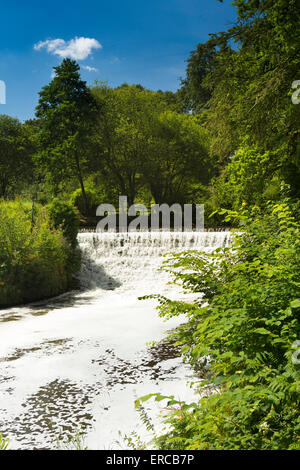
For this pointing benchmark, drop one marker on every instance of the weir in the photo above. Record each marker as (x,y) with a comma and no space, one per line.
(135,257)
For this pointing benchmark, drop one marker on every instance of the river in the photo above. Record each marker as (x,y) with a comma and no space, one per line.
(75,364)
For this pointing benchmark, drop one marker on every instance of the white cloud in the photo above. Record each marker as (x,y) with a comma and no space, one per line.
(76,48)
(90,69)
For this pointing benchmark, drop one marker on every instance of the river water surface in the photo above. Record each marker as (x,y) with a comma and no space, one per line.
(77,363)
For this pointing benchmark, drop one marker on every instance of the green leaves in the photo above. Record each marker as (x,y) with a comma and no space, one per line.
(36,261)
(16,150)
(158,397)
(4,443)
(66,115)
(239,82)
(246,330)
(263,331)
(295,304)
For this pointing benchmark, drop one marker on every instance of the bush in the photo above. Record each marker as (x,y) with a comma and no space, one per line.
(250,176)
(65,215)
(35,262)
(92,199)
(247,328)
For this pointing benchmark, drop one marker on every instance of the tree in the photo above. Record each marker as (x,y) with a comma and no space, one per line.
(193,93)
(146,146)
(15,154)
(178,156)
(123,131)
(248,72)
(66,113)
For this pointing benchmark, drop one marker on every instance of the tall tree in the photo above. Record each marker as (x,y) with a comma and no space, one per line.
(122,137)
(15,154)
(253,68)
(177,158)
(202,61)
(66,113)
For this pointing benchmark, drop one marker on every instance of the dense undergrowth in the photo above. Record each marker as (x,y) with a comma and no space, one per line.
(246,323)
(38,255)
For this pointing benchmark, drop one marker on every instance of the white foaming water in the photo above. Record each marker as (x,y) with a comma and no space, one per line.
(78,362)
(134,258)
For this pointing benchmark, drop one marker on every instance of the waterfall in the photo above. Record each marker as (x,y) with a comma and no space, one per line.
(125,260)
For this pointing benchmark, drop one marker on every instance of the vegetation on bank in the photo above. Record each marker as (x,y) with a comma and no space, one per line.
(244,326)
(38,256)
(239,83)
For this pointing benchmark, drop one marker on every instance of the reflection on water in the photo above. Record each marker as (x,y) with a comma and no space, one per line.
(64,406)
(58,406)
(18,353)
(10,317)
(156,363)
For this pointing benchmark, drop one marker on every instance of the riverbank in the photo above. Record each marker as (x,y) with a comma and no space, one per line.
(38,258)
(248,323)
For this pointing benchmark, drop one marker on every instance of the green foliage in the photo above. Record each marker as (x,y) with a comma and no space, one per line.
(66,114)
(134,440)
(143,144)
(4,443)
(229,134)
(123,137)
(65,216)
(243,78)
(74,441)
(15,154)
(92,197)
(249,176)
(202,61)
(178,157)
(245,322)
(36,261)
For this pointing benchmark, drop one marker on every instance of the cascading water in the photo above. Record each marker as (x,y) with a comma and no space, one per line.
(127,259)
(76,363)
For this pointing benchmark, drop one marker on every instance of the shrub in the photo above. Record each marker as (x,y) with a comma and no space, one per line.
(35,262)
(246,323)
(92,199)
(65,215)
(250,176)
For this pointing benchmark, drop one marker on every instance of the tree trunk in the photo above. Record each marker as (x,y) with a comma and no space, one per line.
(84,197)
(3,190)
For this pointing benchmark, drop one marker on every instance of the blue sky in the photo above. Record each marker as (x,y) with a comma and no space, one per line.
(131,41)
